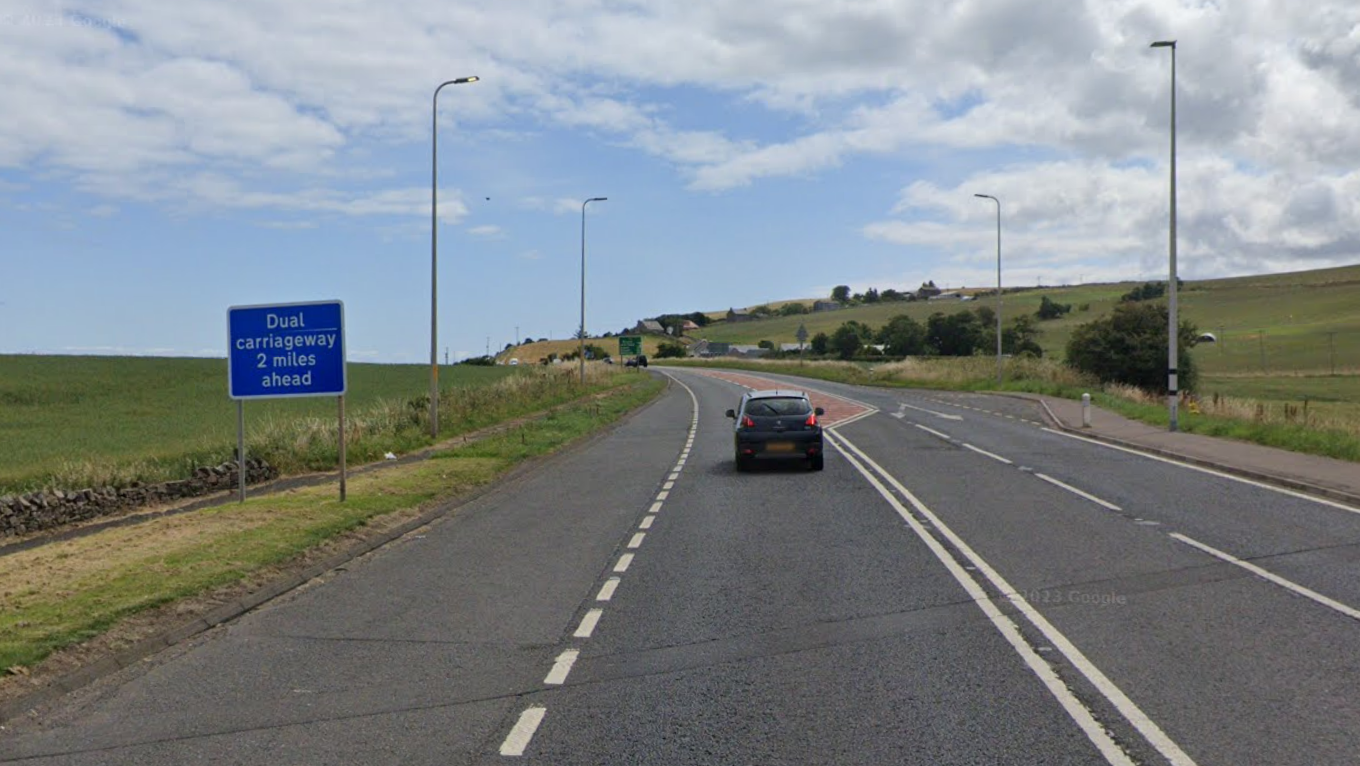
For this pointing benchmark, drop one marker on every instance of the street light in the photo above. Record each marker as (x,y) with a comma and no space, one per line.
(582,334)
(1171,352)
(998,282)
(434,250)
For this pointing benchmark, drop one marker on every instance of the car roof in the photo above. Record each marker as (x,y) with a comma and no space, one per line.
(775,393)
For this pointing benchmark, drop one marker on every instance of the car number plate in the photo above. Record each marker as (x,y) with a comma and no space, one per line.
(779,446)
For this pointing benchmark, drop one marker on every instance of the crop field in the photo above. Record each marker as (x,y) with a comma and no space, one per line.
(64,419)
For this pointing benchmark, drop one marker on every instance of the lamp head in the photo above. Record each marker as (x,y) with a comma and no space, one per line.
(462,80)
(1164,44)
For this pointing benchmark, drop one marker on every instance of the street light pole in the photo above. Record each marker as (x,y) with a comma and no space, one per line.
(434,250)
(1172,354)
(582,333)
(998,282)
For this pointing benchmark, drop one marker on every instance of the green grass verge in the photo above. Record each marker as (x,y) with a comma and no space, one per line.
(170,559)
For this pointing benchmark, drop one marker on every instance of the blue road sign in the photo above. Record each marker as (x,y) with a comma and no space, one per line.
(294,349)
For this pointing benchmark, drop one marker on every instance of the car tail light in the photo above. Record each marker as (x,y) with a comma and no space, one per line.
(747,422)
(812,419)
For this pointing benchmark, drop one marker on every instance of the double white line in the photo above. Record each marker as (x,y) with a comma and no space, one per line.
(1079,713)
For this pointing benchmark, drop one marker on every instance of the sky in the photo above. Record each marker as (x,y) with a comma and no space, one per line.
(160,163)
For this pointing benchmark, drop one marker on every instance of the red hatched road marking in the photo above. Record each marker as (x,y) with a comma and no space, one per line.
(837,409)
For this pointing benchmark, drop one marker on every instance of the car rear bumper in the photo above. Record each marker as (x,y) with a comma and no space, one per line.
(794,446)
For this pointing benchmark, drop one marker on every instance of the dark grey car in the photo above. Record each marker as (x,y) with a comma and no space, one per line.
(776,425)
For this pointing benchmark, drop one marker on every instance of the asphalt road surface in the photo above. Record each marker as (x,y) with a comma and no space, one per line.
(958,586)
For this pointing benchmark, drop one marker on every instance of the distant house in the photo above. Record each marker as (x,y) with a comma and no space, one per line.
(791,348)
(946,297)
(706,348)
(748,352)
(688,326)
(650,325)
(928,290)
(825,306)
(739,315)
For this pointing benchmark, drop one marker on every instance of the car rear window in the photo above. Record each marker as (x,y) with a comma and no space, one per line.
(778,406)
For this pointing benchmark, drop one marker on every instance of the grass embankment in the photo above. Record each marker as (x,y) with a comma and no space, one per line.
(1326,428)
(67,592)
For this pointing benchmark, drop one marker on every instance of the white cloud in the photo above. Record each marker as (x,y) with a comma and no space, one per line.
(210,105)
(486,232)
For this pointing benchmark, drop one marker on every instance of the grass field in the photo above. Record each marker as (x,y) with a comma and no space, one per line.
(68,420)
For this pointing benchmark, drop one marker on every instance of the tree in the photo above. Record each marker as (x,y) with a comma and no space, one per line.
(793,309)
(765,344)
(1022,337)
(841,294)
(959,334)
(846,340)
(871,295)
(903,336)
(1129,346)
(819,343)
(892,295)
(670,350)
(1051,309)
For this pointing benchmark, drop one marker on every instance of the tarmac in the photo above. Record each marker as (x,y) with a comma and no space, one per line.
(1337,480)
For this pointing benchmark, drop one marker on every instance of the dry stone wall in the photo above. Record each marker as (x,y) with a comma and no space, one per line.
(38,511)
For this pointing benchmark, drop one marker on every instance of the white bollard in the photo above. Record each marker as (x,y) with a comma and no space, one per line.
(1085,410)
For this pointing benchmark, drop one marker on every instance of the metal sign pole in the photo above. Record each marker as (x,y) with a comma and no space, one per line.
(241,448)
(342,447)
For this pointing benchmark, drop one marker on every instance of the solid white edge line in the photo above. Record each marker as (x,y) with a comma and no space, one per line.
(647,522)
(1077,492)
(1210,471)
(607,590)
(561,668)
(933,432)
(1131,712)
(1290,585)
(588,623)
(984,452)
(518,739)
(636,542)
(625,561)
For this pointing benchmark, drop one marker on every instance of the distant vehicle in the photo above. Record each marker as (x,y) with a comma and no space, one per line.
(776,425)
(638,361)
(514,362)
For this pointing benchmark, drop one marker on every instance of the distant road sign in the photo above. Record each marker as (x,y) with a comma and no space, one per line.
(292,349)
(630,345)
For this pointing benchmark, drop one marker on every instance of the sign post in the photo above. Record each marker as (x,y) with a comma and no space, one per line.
(285,350)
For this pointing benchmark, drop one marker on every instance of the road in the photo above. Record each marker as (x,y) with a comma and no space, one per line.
(960,585)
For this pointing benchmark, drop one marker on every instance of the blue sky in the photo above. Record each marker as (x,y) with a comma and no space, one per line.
(160,164)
